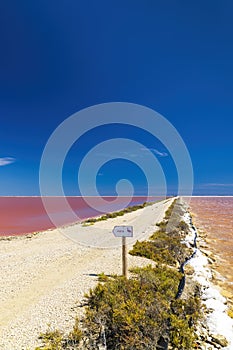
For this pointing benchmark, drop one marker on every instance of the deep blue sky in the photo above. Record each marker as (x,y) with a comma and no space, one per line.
(58,57)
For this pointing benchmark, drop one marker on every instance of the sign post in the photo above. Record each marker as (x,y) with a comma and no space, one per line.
(124,258)
(123,231)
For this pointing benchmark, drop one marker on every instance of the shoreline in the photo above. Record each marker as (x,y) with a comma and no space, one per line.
(215,261)
(76,268)
(219,324)
(52,226)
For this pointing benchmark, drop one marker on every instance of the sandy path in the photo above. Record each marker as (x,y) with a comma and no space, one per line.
(43,278)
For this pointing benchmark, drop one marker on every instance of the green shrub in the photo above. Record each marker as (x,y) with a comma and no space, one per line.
(128,314)
(165,246)
(57,340)
(185,315)
(76,335)
(52,340)
(102,277)
(162,248)
(137,313)
(183,226)
(115,214)
(162,224)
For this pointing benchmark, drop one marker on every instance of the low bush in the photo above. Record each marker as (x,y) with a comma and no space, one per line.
(140,313)
(137,313)
(162,248)
(165,245)
(116,214)
(57,340)
(52,340)
(102,277)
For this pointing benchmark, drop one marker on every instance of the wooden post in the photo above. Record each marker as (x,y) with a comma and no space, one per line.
(124,257)
(123,232)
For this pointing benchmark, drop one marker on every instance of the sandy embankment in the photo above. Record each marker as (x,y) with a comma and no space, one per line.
(43,278)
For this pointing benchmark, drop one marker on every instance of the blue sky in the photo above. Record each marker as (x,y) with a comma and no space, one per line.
(58,57)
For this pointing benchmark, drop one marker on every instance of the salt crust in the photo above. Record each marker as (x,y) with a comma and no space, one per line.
(217,319)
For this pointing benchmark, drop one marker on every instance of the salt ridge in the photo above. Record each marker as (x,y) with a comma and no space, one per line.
(218,322)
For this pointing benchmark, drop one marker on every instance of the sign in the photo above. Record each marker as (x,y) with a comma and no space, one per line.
(123,231)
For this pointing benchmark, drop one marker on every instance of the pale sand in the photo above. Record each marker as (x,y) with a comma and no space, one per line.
(43,278)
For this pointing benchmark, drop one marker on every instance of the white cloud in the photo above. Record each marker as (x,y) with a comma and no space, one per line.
(218,185)
(155,151)
(135,152)
(161,154)
(6,160)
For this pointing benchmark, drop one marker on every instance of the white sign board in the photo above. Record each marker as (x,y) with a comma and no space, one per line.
(123,231)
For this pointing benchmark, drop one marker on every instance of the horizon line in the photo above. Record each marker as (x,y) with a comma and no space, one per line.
(70,196)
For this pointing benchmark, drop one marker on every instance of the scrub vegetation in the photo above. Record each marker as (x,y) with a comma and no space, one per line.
(116,214)
(141,312)
(165,245)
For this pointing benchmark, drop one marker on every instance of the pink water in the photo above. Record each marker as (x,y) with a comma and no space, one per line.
(215,216)
(20,215)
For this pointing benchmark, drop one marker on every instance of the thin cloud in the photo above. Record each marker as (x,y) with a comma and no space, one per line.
(137,153)
(155,151)
(217,185)
(161,154)
(6,160)
(122,154)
